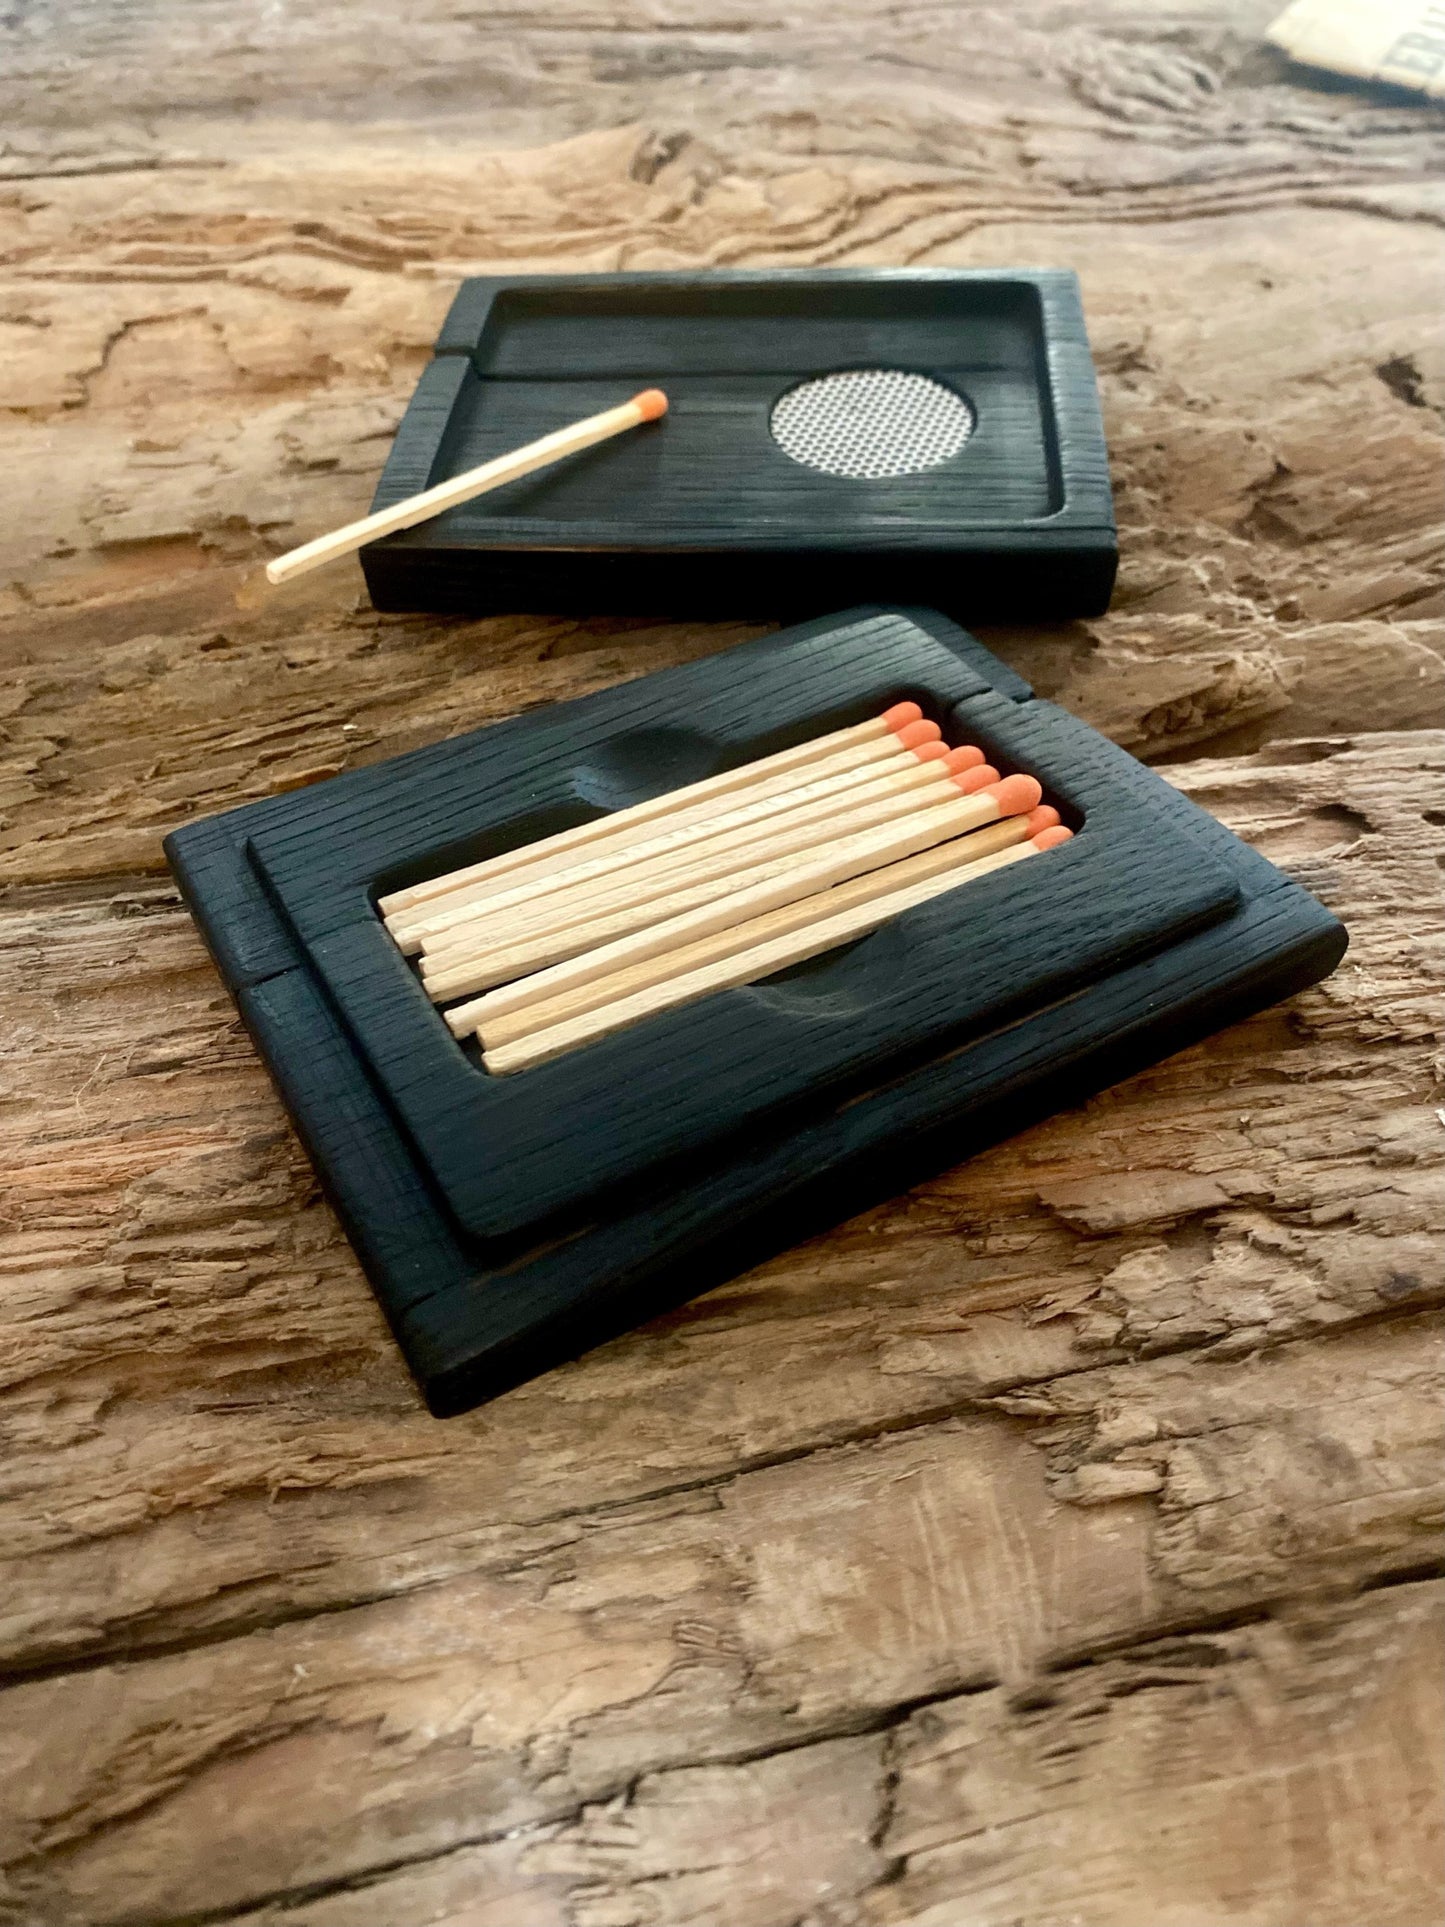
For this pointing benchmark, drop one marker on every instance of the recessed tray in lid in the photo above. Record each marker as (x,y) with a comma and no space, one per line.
(519,1153)
(717,427)
(626,327)
(704,512)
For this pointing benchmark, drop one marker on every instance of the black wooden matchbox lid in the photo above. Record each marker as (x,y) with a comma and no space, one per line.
(924,435)
(508,1222)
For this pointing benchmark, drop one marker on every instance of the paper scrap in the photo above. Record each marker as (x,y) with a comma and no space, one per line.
(1401,42)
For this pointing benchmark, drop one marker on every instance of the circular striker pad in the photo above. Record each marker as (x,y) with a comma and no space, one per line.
(871,423)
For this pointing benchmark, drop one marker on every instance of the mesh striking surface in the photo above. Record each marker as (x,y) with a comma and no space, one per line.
(871,423)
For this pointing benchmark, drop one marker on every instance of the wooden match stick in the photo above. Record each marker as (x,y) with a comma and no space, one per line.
(809,838)
(629,977)
(808,833)
(747,966)
(503,964)
(814,825)
(646,407)
(456,975)
(669,949)
(861,742)
(840,749)
(800,832)
(910,745)
(922,764)
(426,924)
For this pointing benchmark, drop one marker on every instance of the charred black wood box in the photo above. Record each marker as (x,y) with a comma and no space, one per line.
(508,1223)
(919,435)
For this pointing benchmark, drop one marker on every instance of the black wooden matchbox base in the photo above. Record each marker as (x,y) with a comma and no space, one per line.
(702,513)
(509,1223)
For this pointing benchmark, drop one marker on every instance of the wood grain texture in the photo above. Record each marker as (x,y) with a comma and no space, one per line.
(1100,1790)
(1151,1364)
(997,1556)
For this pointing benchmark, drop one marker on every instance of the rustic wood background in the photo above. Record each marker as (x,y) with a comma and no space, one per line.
(1060,1544)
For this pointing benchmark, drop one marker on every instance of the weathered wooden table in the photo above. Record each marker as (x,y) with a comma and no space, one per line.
(1057,1545)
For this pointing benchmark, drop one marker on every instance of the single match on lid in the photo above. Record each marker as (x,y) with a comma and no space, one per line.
(648,406)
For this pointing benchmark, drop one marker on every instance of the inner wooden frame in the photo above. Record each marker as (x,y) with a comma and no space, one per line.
(513,1154)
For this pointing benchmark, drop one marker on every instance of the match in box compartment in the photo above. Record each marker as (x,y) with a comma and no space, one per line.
(713,885)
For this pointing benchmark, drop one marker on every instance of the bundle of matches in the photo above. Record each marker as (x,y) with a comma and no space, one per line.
(711,886)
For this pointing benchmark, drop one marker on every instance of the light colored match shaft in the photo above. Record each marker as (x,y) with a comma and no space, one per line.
(449,925)
(672,950)
(746,966)
(857,857)
(456,974)
(796,874)
(801,830)
(871,737)
(645,407)
(416,926)
(502,964)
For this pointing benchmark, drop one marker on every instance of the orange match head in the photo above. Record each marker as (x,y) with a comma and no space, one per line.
(651,404)
(968,757)
(1017,795)
(1045,817)
(1051,839)
(902,714)
(973,780)
(933,752)
(913,734)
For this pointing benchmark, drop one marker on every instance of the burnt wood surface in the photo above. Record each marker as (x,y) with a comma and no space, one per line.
(509,1224)
(705,515)
(1058,1540)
